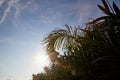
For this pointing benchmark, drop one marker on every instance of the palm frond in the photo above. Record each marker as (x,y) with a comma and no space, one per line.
(106,5)
(69,29)
(62,38)
(104,10)
(116,9)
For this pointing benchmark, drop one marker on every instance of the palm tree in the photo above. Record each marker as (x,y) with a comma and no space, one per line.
(71,42)
(109,25)
(82,47)
(85,49)
(61,38)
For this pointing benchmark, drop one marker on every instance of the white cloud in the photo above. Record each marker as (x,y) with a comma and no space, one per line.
(28,3)
(1,2)
(7,10)
(19,7)
(16,5)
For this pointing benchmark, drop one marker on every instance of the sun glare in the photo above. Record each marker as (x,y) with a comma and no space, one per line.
(40,58)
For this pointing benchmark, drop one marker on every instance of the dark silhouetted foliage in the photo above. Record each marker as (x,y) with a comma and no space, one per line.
(90,53)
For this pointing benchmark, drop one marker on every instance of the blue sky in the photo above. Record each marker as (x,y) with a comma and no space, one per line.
(23,25)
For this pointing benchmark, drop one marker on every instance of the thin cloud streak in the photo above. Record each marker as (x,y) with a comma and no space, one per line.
(1,2)
(20,8)
(28,3)
(15,4)
(10,4)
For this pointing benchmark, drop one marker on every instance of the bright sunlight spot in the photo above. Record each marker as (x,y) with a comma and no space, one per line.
(40,58)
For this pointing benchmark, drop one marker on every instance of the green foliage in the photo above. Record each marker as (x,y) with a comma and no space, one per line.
(62,38)
(90,53)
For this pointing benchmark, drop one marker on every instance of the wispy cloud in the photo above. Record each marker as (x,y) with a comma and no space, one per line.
(86,10)
(51,19)
(19,7)
(1,2)
(10,4)
(16,5)
(28,3)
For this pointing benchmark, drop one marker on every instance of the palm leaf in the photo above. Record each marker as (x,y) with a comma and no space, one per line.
(104,10)
(106,5)
(98,19)
(76,32)
(69,29)
(116,9)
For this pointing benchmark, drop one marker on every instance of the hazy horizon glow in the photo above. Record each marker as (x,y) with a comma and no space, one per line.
(24,24)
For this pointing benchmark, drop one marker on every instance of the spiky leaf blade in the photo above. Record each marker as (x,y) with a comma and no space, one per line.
(104,10)
(116,9)
(106,5)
